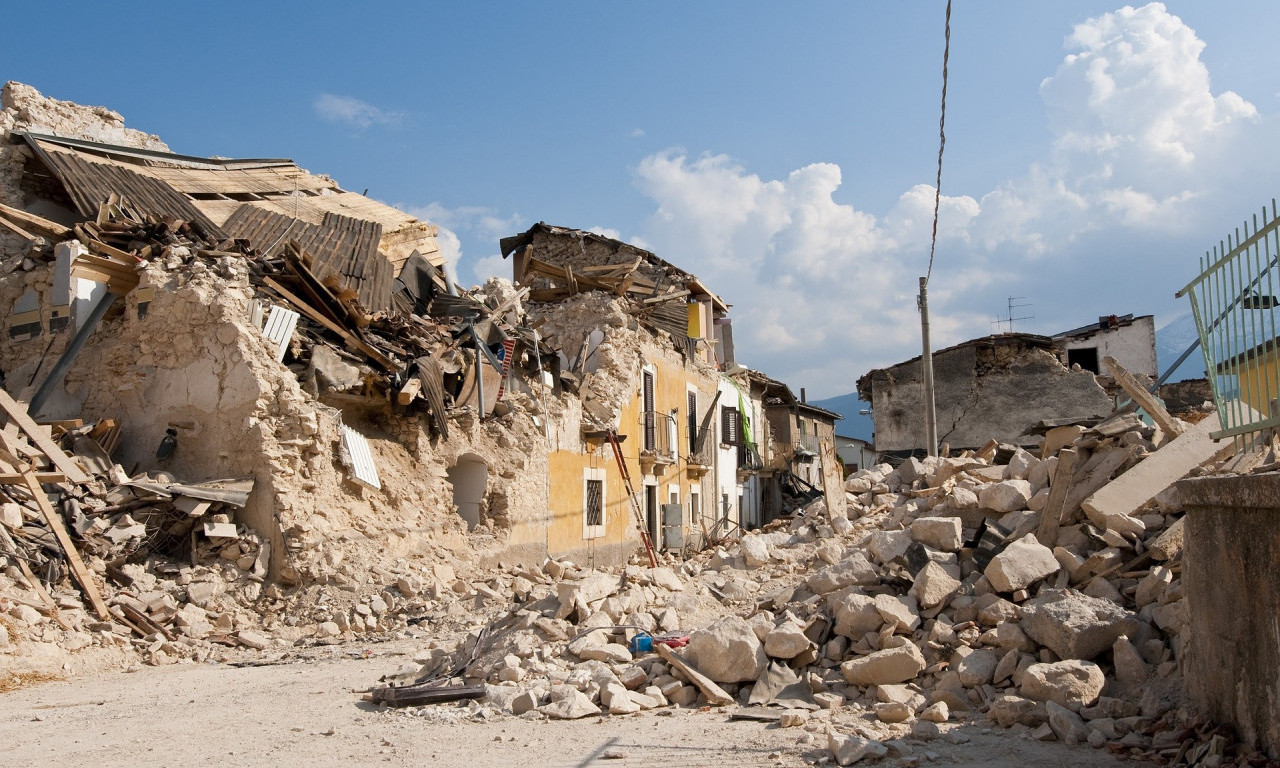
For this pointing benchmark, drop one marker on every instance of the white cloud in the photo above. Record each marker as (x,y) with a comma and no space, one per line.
(1137,137)
(636,133)
(477,223)
(353,112)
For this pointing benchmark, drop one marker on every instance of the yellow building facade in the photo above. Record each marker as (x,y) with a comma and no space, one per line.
(590,517)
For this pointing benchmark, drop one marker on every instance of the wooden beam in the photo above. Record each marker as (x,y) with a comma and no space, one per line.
(409,391)
(16,229)
(716,695)
(1051,515)
(54,522)
(65,464)
(34,221)
(16,478)
(1147,401)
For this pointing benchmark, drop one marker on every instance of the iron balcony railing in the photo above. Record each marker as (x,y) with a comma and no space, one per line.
(808,443)
(702,447)
(1234,303)
(749,458)
(660,435)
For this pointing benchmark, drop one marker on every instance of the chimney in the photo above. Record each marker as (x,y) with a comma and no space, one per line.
(803,399)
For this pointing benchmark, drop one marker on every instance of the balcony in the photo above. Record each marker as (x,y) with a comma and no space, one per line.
(807,447)
(701,452)
(749,459)
(661,439)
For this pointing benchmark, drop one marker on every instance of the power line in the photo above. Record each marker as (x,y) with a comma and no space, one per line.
(942,144)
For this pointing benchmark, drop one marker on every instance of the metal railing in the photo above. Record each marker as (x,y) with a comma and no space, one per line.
(1234,302)
(702,447)
(661,435)
(808,443)
(749,458)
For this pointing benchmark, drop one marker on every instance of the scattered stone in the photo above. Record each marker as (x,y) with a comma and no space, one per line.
(1021,564)
(1071,683)
(1076,626)
(894,665)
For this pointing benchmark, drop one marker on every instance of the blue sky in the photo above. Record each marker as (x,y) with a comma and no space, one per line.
(784,152)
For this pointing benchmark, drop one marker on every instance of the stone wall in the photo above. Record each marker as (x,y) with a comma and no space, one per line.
(982,393)
(1233,595)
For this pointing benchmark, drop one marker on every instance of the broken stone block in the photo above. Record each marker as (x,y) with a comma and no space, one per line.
(828,700)
(885,546)
(900,611)
(943,533)
(728,651)
(1020,465)
(893,712)
(894,665)
(1072,683)
(977,668)
(937,712)
(1168,545)
(993,610)
(1130,668)
(934,586)
(1009,710)
(1007,637)
(1151,587)
(1076,626)
(1005,496)
(1020,565)
(251,639)
(610,653)
(853,570)
(568,703)
(666,578)
(850,749)
(900,693)
(786,642)
(1066,725)
(11,515)
(755,550)
(793,718)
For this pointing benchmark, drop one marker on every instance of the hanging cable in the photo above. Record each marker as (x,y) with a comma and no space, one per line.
(942,144)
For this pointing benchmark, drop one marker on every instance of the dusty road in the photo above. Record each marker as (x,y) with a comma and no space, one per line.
(306,714)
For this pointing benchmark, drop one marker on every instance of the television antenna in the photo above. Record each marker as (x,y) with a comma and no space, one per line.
(1009,319)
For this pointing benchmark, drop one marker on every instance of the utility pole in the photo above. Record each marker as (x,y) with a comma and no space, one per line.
(926,365)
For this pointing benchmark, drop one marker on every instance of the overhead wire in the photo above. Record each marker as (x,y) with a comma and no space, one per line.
(942,145)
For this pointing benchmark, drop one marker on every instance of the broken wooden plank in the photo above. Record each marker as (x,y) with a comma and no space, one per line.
(716,695)
(54,522)
(65,464)
(35,222)
(1129,492)
(409,391)
(17,230)
(1147,401)
(1051,515)
(15,478)
(351,339)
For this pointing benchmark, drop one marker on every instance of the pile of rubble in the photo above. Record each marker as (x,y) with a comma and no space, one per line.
(934,602)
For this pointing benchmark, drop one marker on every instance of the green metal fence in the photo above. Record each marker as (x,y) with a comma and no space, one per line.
(1234,301)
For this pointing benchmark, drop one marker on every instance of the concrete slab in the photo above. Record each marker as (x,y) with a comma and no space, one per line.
(1130,491)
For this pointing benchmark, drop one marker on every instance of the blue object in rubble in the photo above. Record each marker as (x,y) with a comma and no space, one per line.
(641,643)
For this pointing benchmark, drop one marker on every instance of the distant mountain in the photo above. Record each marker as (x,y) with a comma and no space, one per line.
(1172,339)
(854,424)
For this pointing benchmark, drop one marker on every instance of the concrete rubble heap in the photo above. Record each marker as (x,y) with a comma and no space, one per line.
(921,610)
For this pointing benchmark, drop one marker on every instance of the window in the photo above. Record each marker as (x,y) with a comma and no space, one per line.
(593,521)
(1086,357)
(730,425)
(695,504)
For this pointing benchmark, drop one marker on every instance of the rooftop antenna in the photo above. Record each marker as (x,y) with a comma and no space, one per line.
(1009,319)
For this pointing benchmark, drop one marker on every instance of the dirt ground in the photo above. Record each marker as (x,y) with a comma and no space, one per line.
(309,712)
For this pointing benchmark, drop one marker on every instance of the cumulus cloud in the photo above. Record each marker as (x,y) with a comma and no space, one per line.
(353,112)
(830,290)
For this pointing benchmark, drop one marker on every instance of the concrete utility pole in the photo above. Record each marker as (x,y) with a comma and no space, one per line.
(926,365)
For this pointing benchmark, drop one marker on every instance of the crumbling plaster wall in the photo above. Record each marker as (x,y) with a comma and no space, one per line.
(981,394)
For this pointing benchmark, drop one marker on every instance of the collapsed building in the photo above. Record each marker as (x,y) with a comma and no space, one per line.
(271,384)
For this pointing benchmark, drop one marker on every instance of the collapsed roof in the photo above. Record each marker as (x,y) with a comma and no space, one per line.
(363,242)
